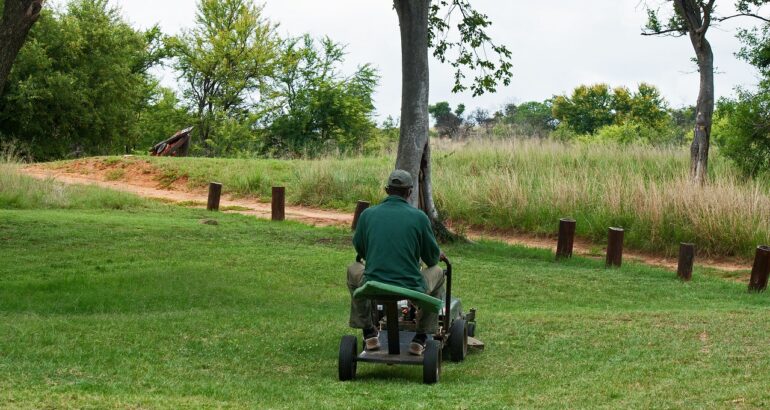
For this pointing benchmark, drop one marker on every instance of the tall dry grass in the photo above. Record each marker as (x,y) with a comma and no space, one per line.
(527,185)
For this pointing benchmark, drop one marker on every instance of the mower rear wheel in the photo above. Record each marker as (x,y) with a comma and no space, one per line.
(431,365)
(347,359)
(458,340)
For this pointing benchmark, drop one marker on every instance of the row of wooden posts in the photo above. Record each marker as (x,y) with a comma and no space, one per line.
(278,203)
(278,200)
(759,272)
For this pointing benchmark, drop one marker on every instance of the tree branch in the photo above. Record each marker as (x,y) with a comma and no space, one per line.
(691,19)
(707,9)
(721,19)
(677,30)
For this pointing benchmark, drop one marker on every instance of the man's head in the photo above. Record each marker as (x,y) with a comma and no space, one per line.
(399,183)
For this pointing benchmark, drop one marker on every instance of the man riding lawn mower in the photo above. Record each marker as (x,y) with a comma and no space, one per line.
(390,240)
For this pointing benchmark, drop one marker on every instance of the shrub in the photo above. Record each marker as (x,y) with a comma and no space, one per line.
(742,130)
(634,133)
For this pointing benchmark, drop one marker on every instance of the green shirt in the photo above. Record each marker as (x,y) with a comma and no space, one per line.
(392,237)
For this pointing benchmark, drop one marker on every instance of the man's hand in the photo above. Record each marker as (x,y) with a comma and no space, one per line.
(442,257)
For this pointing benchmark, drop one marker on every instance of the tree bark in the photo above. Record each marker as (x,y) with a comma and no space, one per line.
(697,17)
(705,109)
(413,145)
(414,154)
(18,18)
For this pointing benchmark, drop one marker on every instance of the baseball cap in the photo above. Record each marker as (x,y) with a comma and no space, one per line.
(400,179)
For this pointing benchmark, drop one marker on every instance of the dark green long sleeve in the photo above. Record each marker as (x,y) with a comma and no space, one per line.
(392,237)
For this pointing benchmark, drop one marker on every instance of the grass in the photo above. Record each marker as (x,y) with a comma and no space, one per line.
(148,307)
(526,186)
(19,192)
(116,174)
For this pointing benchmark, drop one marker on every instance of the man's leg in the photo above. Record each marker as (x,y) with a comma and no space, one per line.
(360,309)
(427,322)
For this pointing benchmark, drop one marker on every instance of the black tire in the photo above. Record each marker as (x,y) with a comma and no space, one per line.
(348,354)
(431,364)
(458,340)
(472,329)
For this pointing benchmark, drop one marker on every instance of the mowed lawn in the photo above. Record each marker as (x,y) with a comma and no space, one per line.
(151,308)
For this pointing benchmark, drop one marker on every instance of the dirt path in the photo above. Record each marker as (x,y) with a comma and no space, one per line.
(176,192)
(141,178)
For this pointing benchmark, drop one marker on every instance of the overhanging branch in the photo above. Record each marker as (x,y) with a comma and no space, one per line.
(756,16)
(675,32)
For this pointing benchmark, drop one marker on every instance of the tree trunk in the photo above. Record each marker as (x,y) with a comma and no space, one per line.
(18,18)
(414,144)
(697,17)
(413,141)
(705,112)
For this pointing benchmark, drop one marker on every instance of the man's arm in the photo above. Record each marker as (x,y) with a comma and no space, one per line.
(359,242)
(430,252)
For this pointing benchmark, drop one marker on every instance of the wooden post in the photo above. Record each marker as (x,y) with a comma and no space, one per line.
(279,203)
(614,247)
(215,191)
(760,270)
(686,258)
(566,238)
(360,207)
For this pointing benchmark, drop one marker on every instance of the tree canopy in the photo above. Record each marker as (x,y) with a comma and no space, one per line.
(82,86)
(222,62)
(591,107)
(694,18)
(310,103)
(79,83)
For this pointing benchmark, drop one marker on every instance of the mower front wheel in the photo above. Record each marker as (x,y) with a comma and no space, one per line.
(458,340)
(431,365)
(347,359)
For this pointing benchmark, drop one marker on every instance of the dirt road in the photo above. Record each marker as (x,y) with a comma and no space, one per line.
(141,178)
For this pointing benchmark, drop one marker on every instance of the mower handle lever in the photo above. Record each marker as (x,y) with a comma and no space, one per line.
(448,292)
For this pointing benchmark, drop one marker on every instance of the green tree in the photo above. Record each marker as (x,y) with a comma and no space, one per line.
(384,138)
(693,18)
(590,108)
(481,119)
(756,48)
(223,61)
(531,118)
(645,106)
(742,130)
(448,123)
(742,125)
(79,83)
(586,110)
(161,118)
(311,104)
(423,25)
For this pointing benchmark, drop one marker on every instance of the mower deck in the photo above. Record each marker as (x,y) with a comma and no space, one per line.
(382,356)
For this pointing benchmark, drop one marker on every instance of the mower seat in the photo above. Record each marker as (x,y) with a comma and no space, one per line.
(383,291)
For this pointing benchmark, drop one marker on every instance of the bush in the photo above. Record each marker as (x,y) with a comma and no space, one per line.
(634,133)
(79,82)
(564,133)
(742,130)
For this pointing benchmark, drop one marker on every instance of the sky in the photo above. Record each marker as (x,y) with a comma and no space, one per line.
(556,44)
